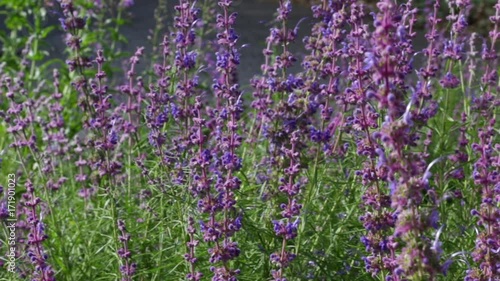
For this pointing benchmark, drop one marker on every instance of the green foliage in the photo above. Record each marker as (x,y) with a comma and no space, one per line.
(82,234)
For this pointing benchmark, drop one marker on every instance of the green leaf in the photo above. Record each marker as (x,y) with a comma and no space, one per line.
(46,31)
(16,22)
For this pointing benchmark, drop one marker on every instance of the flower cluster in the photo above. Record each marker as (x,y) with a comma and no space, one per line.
(485,170)
(74,24)
(407,175)
(486,176)
(379,219)
(227,163)
(281,120)
(190,257)
(287,227)
(128,268)
(185,60)
(200,186)
(157,111)
(103,126)
(323,70)
(36,252)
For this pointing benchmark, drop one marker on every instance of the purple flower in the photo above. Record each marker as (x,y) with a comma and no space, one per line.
(486,254)
(449,81)
(127,3)
(36,252)
(128,268)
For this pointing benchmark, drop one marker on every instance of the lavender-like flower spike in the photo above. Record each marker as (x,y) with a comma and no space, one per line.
(36,252)
(406,174)
(201,187)
(222,227)
(431,51)
(104,125)
(490,54)
(73,24)
(134,97)
(424,107)
(274,78)
(287,228)
(193,275)
(453,48)
(128,267)
(283,124)
(158,109)
(378,219)
(185,58)
(177,96)
(324,63)
(486,176)
(486,168)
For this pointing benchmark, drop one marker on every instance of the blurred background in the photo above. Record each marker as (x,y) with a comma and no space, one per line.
(141,18)
(255,18)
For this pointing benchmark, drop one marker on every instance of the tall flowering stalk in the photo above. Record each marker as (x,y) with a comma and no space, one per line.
(36,252)
(407,175)
(170,108)
(282,121)
(274,81)
(185,87)
(424,106)
(324,64)
(335,53)
(73,24)
(200,187)
(175,97)
(379,219)
(190,256)
(54,136)
(287,228)
(105,132)
(130,111)
(486,171)
(128,268)
(227,163)
(490,56)
(108,126)
(453,48)
(172,96)
(103,142)
(157,111)
(485,175)
(124,126)
(185,60)
(23,125)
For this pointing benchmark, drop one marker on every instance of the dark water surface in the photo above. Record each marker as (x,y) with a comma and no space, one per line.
(252,25)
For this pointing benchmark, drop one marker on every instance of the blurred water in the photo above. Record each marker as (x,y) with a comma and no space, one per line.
(253,24)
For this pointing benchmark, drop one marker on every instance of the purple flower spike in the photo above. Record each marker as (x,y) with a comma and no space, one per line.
(38,256)
(128,268)
(487,251)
